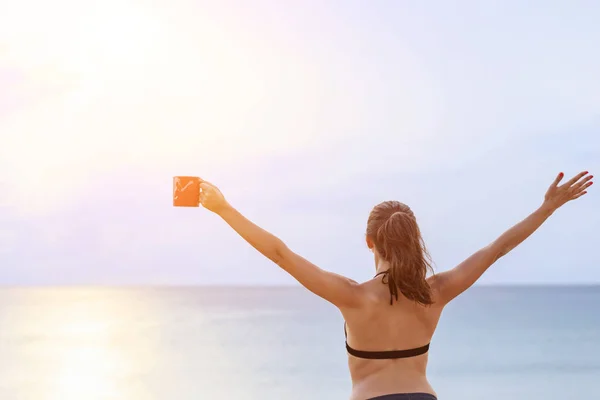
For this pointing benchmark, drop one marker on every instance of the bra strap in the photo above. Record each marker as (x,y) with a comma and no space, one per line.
(392,354)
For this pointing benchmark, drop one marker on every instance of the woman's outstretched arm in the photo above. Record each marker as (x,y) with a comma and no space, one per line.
(337,289)
(452,283)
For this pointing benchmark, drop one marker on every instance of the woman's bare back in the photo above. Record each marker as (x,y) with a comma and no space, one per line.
(381,326)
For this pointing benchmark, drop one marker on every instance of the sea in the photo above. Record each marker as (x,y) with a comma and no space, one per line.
(274,343)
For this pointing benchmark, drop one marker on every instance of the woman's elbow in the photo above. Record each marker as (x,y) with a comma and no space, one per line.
(280,254)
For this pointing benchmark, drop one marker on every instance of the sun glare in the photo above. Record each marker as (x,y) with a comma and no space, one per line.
(138,90)
(81,345)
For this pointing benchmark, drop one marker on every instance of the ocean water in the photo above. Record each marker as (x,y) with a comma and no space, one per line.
(282,343)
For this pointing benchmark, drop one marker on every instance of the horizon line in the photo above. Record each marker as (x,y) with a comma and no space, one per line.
(263,286)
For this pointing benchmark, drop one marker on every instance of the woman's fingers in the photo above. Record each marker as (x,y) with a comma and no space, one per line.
(581,190)
(210,197)
(202,182)
(203,191)
(578,186)
(574,179)
(205,187)
(558,179)
(584,187)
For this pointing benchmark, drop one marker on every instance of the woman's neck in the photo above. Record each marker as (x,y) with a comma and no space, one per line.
(381,265)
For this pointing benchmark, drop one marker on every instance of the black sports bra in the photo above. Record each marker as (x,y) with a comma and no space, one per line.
(384,355)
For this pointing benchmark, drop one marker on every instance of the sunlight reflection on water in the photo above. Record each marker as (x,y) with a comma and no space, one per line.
(100,344)
(74,344)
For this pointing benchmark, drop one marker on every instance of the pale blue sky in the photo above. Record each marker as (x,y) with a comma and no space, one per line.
(307,114)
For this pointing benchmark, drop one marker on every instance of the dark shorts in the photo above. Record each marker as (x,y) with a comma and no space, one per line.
(405,396)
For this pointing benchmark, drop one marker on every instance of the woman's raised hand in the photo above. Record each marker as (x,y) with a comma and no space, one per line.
(211,197)
(557,195)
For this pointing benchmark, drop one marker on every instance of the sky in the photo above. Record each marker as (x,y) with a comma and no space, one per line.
(306,115)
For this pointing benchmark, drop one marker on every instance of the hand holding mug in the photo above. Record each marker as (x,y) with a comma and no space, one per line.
(211,197)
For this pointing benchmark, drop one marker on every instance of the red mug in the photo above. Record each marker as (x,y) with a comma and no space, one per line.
(186,191)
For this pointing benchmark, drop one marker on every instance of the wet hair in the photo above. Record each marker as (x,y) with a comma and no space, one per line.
(393,229)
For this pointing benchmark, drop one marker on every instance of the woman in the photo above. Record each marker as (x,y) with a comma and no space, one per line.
(391,319)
